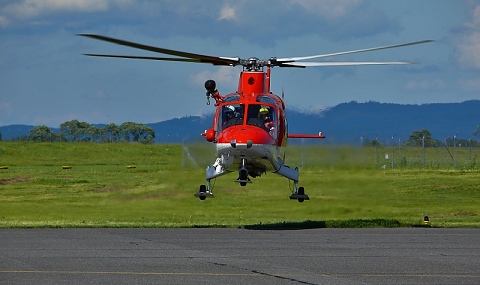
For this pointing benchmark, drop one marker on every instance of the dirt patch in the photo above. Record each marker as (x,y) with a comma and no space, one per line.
(6,181)
(232,191)
(107,189)
(144,196)
(464,213)
(443,186)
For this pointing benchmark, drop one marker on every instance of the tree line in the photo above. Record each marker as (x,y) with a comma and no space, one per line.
(76,131)
(424,138)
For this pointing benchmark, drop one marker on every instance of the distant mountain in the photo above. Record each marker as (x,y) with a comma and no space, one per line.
(14,131)
(348,122)
(344,123)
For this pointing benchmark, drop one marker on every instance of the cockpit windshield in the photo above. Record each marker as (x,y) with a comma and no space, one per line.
(259,115)
(231,115)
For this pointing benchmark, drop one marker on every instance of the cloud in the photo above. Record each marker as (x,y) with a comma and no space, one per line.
(469,51)
(249,19)
(476,16)
(329,19)
(33,8)
(468,43)
(227,12)
(28,9)
(227,76)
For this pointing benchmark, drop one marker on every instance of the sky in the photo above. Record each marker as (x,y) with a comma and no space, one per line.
(46,80)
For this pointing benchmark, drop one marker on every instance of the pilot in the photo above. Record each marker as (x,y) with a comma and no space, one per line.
(264,115)
(229,112)
(229,115)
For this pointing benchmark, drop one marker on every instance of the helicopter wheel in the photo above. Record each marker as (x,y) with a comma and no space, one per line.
(203,190)
(301,191)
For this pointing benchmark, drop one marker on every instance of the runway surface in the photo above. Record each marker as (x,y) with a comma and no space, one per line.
(239,256)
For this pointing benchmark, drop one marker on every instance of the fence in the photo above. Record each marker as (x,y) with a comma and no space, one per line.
(394,157)
(360,157)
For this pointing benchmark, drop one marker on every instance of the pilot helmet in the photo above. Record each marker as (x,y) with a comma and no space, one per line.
(230,110)
(263,111)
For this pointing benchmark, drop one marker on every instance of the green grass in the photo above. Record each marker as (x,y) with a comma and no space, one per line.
(347,186)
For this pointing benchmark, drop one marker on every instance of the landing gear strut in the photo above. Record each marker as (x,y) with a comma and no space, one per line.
(212,172)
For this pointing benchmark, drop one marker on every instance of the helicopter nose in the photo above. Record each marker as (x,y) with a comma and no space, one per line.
(245,136)
(249,144)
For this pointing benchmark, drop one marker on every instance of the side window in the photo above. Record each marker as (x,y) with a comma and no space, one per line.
(230,115)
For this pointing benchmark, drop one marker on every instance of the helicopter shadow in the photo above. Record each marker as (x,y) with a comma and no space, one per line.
(309,224)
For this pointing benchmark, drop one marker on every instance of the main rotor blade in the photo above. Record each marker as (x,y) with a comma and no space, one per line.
(291,59)
(181,59)
(201,57)
(339,63)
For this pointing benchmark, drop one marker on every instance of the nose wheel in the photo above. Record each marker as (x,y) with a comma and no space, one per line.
(243,175)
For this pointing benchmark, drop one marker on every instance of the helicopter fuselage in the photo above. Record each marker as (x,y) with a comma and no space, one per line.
(249,126)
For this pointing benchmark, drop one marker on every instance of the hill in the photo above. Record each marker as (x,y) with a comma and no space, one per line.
(348,122)
(344,123)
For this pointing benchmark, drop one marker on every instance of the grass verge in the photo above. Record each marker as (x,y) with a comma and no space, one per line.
(101,190)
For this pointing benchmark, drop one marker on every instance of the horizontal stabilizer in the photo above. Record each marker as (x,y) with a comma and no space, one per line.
(306,136)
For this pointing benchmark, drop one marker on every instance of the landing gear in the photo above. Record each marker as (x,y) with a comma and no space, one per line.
(243,175)
(254,170)
(203,192)
(292,174)
(299,194)
(212,172)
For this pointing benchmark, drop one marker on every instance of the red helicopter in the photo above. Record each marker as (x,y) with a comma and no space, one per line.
(250,127)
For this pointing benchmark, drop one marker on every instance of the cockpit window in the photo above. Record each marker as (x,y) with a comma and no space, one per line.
(266,99)
(230,115)
(232,98)
(262,116)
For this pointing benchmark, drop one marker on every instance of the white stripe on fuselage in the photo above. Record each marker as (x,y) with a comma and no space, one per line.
(257,152)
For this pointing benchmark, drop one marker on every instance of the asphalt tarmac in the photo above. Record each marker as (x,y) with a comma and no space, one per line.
(240,256)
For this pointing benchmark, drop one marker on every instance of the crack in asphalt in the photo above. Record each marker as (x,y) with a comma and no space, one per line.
(265,274)
(283,277)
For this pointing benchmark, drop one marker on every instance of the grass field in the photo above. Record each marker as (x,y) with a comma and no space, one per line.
(348,187)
